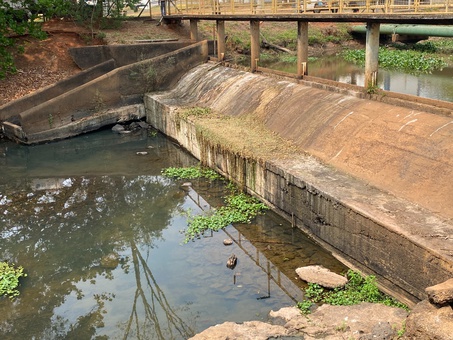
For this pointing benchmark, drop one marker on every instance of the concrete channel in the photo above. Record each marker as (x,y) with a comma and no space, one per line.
(368,178)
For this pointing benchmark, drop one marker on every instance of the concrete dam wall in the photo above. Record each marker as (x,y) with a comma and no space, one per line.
(368,180)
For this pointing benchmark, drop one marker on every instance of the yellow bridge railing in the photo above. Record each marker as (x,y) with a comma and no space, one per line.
(285,7)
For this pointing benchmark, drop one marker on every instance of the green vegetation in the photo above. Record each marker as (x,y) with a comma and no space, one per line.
(192,172)
(9,279)
(238,208)
(21,17)
(14,20)
(410,61)
(358,289)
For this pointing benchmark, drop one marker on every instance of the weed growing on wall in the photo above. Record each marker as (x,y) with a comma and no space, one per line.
(358,289)
(238,208)
(9,279)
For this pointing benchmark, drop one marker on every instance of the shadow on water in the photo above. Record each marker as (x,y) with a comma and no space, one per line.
(98,231)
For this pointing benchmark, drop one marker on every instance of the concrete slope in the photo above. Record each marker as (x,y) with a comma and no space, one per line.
(402,151)
(114,96)
(369,181)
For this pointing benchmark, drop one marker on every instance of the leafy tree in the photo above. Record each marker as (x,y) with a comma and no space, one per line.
(19,17)
(15,19)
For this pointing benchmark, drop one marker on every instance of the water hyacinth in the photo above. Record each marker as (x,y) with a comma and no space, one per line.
(410,61)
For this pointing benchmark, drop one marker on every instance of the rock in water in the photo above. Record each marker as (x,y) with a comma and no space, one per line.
(322,276)
(228,241)
(232,261)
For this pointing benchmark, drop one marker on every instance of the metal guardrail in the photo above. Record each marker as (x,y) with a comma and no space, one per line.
(285,7)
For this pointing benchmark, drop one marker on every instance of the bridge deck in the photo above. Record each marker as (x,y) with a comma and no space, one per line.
(416,19)
(388,11)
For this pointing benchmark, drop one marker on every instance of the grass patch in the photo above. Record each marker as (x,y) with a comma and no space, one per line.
(358,289)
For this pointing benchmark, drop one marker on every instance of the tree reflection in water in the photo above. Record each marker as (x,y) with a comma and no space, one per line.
(61,228)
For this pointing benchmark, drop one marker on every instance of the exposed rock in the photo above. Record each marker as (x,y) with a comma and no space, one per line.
(442,293)
(118,128)
(143,125)
(232,261)
(252,330)
(228,241)
(429,322)
(322,276)
(363,321)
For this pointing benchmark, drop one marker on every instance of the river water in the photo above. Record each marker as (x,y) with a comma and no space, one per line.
(437,85)
(98,231)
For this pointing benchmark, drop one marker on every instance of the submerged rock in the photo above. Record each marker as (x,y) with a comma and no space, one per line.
(110,261)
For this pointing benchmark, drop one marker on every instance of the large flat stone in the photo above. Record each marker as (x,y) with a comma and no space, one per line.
(322,276)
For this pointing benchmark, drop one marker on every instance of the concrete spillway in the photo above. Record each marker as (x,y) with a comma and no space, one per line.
(370,180)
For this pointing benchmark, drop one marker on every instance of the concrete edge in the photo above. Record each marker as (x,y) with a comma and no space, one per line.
(85,125)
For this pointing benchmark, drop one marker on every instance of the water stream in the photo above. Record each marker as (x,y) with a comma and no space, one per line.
(98,231)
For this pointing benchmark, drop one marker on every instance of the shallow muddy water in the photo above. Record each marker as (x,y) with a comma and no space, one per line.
(98,231)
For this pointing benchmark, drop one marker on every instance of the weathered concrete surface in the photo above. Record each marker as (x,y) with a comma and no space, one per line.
(14,108)
(80,126)
(363,321)
(89,56)
(123,86)
(371,181)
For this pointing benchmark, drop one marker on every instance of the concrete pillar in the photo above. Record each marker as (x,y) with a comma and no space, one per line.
(254,44)
(193,29)
(371,55)
(302,48)
(220,39)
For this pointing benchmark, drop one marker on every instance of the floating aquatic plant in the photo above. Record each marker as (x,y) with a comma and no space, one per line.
(9,279)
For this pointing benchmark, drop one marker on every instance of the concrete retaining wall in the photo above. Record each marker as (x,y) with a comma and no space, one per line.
(89,56)
(124,86)
(12,110)
(407,246)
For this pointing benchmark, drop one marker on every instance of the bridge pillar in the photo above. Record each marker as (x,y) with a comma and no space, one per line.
(220,39)
(302,48)
(254,44)
(371,54)
(193,29)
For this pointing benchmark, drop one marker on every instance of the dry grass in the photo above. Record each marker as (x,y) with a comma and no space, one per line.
(244,135)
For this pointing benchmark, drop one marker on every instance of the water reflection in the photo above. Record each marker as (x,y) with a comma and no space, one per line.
(438,85)
(98,231)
